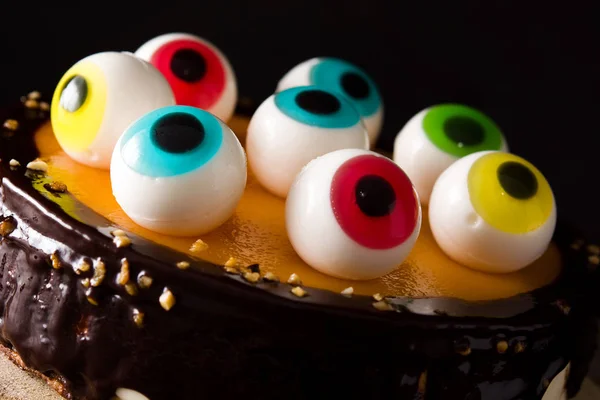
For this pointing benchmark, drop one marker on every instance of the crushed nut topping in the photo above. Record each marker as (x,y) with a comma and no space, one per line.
(85,283)
(131,289)
(118,232)
(271,277)
(299,292)
(11,124)
(144,281)
(183,265)
(92,301)
(294,279)
(377,297)
(348,291)
(14,163)
(123,275)
(31,103)
(252,277)
(198,246)
(35,95)
(502,346)
(83,266)
(55,261)
(138,317)
(232,262)
(520,347)
(56,187)
(99,273)
(593,249)
(167,299)
(231,270)
(121,241)
(594,259)
(38,165)
(7,226)
(44,106)
(383,306)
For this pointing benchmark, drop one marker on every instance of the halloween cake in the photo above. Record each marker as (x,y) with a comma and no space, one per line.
(157,246)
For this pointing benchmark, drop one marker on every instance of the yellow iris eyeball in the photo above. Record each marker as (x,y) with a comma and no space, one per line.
(492,211)
(98,98)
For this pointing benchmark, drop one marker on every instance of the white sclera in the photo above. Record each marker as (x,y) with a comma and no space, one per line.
(316,235)
(225,106)
(190,204)
(465,237)
(422,160)
(278,146)
(300,76)
(133,88)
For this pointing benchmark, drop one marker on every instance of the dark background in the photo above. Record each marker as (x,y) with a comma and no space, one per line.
(532,66)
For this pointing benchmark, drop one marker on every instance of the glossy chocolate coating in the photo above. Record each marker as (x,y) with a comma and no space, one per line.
(227,338)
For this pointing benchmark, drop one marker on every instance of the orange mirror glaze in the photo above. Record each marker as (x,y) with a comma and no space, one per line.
(256,234)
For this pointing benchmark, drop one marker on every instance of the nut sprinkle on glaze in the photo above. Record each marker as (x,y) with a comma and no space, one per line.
(7,226)
(138,317)
(99,273)
(123,275)
(299,292)
(144,280)
(14,163)
(183,265)
(11,124)
(348,291)
(167,299)
(198,246)
(252,277)
(122,241)
(294,279)
(383,306)
(38,165)
(56,264)
(82,266)
(271,277)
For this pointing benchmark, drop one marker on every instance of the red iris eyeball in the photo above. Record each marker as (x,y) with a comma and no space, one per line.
(199,74)
(353,214)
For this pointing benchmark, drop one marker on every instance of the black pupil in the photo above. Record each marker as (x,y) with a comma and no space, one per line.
(74,94)
(178,133)
(517,180)
(318,102)
(464,131)
(355,85)
(188,65)
(375,196)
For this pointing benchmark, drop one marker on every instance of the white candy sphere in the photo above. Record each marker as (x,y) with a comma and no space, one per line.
(492,211)
(198,72)
(178,170)
(294,126)
(343,77)
(353,214)
(438,136)
(98,97)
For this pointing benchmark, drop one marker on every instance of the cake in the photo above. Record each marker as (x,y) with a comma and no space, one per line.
(98,306)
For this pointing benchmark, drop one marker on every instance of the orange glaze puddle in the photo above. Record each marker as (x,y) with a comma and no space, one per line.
(256,234)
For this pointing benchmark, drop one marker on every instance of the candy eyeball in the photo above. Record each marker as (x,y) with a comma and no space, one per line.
(353,214)
(178,170)
(98,97)
(438,136)
(199,74)
(492,211)
(340,76)
(294,126)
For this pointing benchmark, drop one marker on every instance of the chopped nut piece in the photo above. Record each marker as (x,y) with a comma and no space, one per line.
(99,273)
(44,106)
(131,289)
(7,226)
(38,165)
(33,104)
(502,346)
(294,279)
(122,241)
(593,249)
(348,291)
(198,246)
(383,306)
(594,259)
(138,317)
(422,382)
(118,232)
(520,347)
(183,265)
(167,299)
(56,187)
(378,297)
(92,301)
(232,262)
(271,277)
(35,95)
(83,266)
(464,352)
(231,270)
(298,291)
(85,283)
(123,275)
(252,276)
(55,261)
(11,124)
(14,163)
(144,281)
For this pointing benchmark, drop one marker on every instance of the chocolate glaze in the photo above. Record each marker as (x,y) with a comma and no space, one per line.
(227,338)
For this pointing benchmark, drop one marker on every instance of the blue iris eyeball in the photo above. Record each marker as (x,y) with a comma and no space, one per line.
(295,126)
(345,78)
(178,170)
